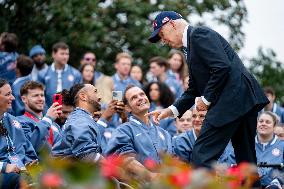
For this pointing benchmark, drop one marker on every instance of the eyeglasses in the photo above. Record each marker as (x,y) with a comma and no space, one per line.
(90,59)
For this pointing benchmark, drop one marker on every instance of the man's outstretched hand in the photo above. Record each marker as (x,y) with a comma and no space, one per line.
(157,115)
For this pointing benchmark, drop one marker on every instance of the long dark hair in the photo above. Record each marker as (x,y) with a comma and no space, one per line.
(166,96)
(82,69)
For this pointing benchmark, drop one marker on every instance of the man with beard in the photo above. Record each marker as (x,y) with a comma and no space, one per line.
(39,129)
(81,137)
(139,139)
(37,53)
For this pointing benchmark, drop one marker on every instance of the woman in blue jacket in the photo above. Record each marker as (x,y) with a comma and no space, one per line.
(269,149)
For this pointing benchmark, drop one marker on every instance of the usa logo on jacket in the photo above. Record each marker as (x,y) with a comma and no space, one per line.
(276,152)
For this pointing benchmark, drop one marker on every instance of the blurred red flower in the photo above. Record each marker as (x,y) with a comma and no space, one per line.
(236,175)
(180,179)
(51,180)
(150,164)
(111,166)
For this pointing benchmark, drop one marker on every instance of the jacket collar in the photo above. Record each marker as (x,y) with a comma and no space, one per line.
(53,67)
(271,142)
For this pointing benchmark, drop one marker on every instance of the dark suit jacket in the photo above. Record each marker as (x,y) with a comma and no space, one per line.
(217,73)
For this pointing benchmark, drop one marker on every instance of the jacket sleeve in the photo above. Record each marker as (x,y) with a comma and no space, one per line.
(182,147)
(120,143)
(84,140)
(30,153)
(37,137)
(207,45)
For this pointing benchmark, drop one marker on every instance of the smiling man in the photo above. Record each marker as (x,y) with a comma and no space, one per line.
(139,139)
(40,129)
(81,136)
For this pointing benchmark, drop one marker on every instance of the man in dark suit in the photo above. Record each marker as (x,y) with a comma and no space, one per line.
(222,86)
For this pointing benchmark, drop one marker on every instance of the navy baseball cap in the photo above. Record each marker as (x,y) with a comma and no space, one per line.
(160,20)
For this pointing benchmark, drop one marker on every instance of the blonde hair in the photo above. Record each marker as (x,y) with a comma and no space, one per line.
(275,117)
(122,55)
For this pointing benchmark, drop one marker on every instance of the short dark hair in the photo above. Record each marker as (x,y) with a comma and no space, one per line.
(269,90)
(124,99)
(9,41)
(162,62)
(30,85)
(74,92)
(59,45)
(66,98)
(3,82)
(24,65)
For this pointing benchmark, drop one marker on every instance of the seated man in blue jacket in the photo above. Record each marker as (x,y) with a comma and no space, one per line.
(40,129)
(81,137)
(15,150)
(183,143)
(139,139)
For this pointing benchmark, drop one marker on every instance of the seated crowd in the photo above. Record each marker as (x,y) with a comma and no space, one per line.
(90,124)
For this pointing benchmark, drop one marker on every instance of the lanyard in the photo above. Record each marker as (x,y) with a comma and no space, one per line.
(51,137)
(29,115)
(10,145)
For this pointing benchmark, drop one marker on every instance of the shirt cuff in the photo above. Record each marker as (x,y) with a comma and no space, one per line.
(102,123)
(47,119)
(174,110)
(97,157)
(205,101)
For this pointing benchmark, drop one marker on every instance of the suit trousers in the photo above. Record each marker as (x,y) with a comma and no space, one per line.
(9,181)
(212,141)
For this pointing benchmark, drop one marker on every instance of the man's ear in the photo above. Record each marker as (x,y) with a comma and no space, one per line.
(82,96)
(173,24)
(24,99)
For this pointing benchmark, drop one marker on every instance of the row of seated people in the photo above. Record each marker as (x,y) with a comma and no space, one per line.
(83,138)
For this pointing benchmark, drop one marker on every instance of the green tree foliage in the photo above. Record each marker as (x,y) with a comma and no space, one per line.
(269,71)
(108,27)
